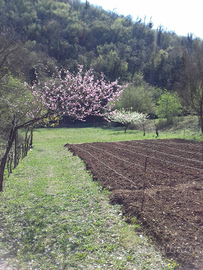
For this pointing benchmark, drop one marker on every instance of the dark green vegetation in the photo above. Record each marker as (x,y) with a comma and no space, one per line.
(71,33)
(54,216)
(40,35)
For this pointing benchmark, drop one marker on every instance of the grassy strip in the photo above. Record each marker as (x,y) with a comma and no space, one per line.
(53,216)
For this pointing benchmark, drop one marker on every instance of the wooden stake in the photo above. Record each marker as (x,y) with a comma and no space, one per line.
(143,195)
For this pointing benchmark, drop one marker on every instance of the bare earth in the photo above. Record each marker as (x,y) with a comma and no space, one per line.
(167,199)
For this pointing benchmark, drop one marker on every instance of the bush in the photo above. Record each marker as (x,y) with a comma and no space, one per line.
(138,96)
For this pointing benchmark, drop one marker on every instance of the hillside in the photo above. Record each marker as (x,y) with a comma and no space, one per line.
(70,33)
(38,36)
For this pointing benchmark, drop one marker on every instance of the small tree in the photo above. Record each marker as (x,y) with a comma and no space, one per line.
(168,106)
(127,117)
(72,94)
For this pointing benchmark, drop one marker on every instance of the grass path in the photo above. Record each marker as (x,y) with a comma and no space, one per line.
(53,216)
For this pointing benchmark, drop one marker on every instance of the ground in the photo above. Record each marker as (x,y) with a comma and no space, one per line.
(160,182)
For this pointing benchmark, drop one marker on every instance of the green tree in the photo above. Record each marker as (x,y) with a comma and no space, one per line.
(12,91)
(138,96)
(169,106)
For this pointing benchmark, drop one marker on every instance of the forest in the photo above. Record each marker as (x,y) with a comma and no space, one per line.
(39,35)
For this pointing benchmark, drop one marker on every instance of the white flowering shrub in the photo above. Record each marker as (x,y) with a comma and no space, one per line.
(127,117)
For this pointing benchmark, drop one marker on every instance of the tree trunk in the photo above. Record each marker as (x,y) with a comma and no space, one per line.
(200,113)
(143,126)
(126,126)
(31,139)
(4,158)
(26,141)
(201,119)
(16,150)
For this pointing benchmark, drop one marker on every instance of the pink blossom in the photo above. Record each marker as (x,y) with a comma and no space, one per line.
(77,95)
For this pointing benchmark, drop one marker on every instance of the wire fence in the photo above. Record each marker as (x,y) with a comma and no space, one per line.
(164,153)
(147,156)
(166,146)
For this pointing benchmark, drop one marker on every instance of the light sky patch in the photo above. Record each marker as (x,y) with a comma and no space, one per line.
(180,16)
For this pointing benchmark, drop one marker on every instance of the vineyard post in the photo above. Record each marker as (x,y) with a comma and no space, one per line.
(143,195)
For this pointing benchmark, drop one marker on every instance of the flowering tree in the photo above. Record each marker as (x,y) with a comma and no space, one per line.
(77,95)
(127,117)
(72,94)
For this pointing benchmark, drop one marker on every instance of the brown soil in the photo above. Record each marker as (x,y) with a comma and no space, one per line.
(167,198)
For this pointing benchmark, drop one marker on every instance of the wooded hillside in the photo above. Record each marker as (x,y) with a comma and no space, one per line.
(41,34)
(75,33)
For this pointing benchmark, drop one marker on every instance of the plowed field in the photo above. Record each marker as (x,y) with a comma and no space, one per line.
(161,183)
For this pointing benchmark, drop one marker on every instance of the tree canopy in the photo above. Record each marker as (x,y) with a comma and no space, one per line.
(73,32)
(127,117)
(169,106)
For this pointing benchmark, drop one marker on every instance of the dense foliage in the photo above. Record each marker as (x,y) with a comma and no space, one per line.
(42,34)
(169,106)
(72,33)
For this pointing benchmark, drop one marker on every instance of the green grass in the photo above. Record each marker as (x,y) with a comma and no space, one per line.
(53,216)
(183,127)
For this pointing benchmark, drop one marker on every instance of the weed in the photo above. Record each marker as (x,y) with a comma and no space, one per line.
(172,264)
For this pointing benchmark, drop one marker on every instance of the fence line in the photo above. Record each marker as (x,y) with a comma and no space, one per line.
(200,154)
(107,166)
(189,159)
(133,162)
(143,166)
(166,161)
(173,144)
